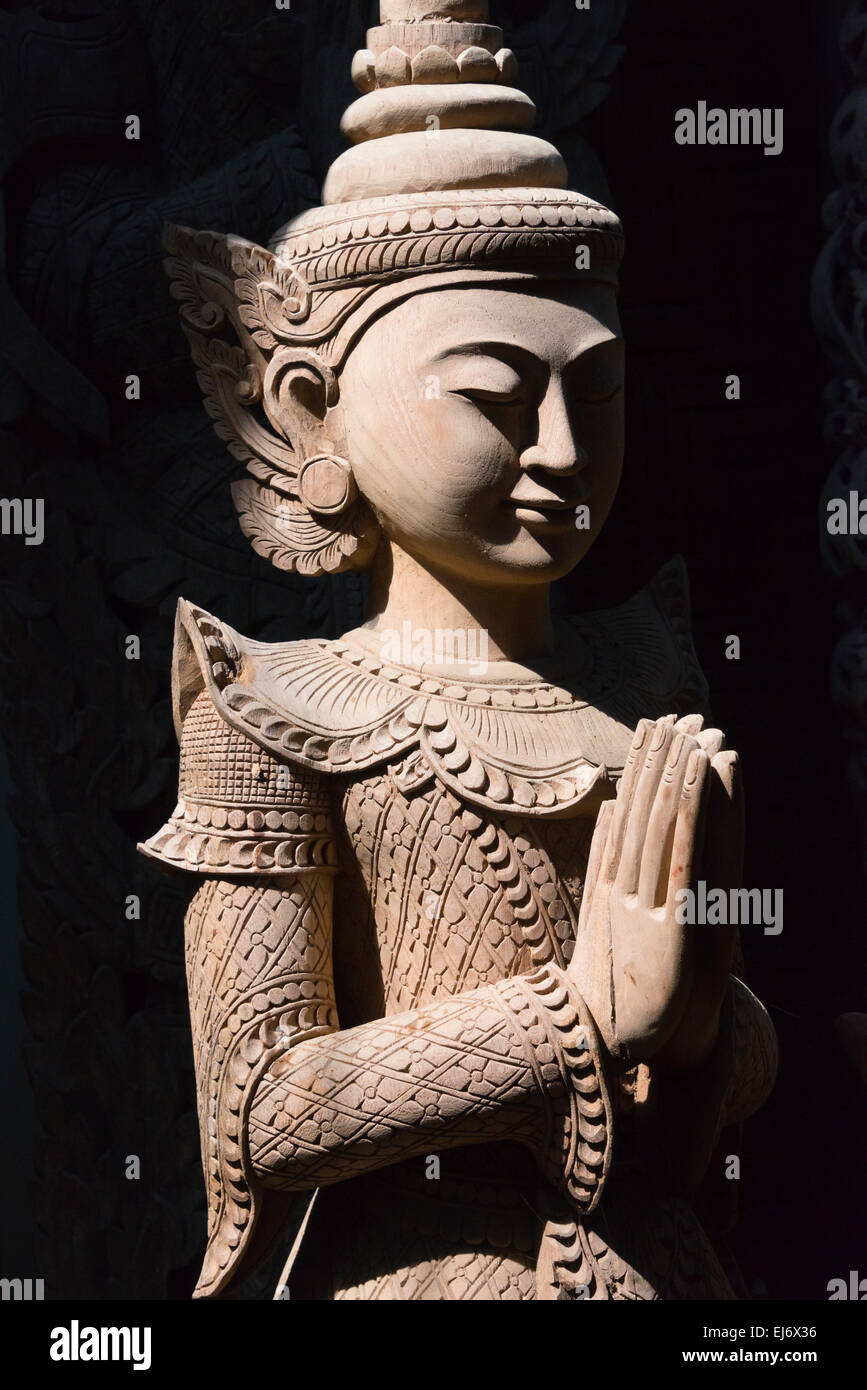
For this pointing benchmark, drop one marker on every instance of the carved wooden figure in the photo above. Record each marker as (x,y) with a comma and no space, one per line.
(438,860)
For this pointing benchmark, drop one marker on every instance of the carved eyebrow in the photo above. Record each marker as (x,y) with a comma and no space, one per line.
(516,356)
(519,359)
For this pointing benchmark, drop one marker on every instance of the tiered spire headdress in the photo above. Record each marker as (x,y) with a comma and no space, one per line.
(442,185)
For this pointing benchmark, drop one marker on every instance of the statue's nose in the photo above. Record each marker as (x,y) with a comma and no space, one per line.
(556,449)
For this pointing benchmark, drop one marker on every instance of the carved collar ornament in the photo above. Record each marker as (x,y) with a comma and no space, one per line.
(537,742)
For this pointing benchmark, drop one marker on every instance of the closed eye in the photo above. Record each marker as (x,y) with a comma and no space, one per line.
(602,396)
(488,397)
(482,379)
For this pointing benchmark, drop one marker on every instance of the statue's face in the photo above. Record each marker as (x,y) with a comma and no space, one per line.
(478,421)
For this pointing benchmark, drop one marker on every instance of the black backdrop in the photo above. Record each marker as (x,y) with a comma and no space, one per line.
(239,106)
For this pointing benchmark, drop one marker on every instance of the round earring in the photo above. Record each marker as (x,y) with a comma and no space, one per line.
(326,484)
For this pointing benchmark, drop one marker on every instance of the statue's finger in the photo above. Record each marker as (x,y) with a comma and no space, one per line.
(600,849)
(688,831)
(598,865)
(658,753)
(656,852)
(642,740)
(690,724)
(712,741)
(727,765)
(723,860)
(590,965)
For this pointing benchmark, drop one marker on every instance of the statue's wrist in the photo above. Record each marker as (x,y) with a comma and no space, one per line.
(573,1142)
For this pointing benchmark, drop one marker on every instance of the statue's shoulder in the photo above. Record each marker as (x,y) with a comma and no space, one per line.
(213,659)
(641,656)
(316,703)
(245,806)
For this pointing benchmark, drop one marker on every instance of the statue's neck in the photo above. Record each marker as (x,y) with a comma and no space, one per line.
(516,624)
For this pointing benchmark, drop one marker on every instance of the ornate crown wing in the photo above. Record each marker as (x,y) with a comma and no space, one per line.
(241,311)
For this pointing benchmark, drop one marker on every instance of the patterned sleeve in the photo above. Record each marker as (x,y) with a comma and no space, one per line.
(258,833)
(240,811)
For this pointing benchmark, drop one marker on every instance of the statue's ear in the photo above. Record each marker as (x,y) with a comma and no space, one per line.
(236,307)
(241,311)
(298,390)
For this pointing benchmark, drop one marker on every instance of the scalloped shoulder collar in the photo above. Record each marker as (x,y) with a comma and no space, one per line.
(536,742)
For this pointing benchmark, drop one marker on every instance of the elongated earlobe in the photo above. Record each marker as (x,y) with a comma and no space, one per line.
(326,485)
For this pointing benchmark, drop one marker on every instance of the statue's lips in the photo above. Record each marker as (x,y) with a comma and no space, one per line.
(549,512)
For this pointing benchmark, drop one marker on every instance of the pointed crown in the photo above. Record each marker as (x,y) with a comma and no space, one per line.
(442,173)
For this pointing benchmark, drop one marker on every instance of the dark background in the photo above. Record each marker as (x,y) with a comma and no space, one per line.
(239,106)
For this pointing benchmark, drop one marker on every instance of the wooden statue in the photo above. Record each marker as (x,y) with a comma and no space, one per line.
(436,964)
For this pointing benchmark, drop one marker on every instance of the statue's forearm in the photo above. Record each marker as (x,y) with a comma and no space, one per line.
(514,1060)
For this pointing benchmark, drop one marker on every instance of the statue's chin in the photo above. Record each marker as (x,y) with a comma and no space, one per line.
(527,560)
(538,554)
